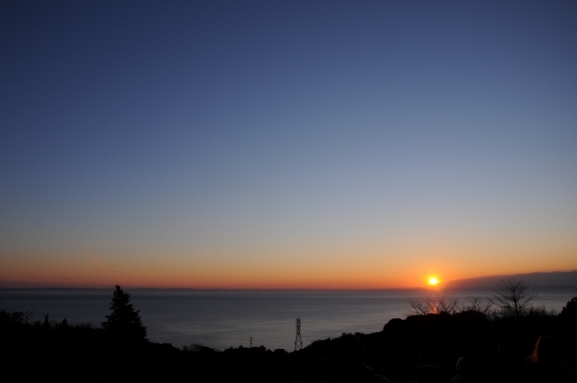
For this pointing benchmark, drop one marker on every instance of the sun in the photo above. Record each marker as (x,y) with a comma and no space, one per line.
(433,281)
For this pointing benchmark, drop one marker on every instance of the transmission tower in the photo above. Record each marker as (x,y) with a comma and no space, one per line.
(251,342)
(298,339)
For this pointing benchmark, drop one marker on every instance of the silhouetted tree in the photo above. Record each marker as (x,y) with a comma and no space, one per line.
(124,321)
(433,305)
(46,323)
(513,297)
(477,304)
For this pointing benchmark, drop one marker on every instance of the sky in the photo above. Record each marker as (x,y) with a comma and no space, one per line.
(286,144)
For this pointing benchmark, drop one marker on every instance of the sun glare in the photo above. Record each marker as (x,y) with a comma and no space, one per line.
(433,281)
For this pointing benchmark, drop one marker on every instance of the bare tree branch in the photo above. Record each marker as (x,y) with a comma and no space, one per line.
(513,297)
(433,305)
(477,304)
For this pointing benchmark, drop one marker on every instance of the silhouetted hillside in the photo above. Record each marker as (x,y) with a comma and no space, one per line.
(493,348)
(57,351)
(535,280)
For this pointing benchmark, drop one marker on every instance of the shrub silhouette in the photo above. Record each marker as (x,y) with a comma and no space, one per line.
(124,321)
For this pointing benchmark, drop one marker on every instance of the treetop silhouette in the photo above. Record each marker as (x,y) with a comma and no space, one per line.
(123,321)
(513,297)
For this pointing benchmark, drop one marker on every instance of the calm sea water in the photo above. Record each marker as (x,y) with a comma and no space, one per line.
(222,319)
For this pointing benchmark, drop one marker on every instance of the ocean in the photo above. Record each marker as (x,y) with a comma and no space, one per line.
(229,318)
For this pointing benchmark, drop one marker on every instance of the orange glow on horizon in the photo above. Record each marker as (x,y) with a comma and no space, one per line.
(93,267)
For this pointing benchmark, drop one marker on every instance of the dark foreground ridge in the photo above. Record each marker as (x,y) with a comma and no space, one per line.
(466,346)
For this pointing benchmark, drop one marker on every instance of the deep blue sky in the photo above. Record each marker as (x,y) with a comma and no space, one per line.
(374,136)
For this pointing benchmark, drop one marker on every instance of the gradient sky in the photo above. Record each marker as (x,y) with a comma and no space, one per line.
(295,144)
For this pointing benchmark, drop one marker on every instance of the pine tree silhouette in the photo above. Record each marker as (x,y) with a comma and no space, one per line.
(124,321)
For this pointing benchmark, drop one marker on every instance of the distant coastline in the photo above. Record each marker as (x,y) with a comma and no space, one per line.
(537,280)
